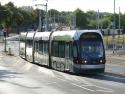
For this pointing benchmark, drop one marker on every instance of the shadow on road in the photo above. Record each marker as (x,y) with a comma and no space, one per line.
(8,74)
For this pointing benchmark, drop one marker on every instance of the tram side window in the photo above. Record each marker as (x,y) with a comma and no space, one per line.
(62,49)
(75,54)
(22,40)
(35,46)
(55,49)
(29,43)
(70,50)
(47,43)
(45,47)
(41,47)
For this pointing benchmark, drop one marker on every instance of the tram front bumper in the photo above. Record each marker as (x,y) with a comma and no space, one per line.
(88,69)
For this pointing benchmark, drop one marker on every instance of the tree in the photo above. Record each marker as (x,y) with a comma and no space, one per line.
(81,19)
(106,22)
(4,14)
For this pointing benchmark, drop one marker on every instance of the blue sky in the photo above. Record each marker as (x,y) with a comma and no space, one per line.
(71,5)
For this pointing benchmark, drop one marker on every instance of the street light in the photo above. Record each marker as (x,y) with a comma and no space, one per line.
(46,18)
(33,51)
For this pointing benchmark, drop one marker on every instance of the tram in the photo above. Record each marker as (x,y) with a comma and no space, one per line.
(77,51)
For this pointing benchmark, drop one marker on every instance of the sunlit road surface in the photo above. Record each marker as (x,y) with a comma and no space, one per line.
(26,78)
(20,77)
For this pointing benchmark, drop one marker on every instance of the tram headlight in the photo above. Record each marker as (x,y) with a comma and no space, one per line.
(77,61)
(85,61)
(101,61)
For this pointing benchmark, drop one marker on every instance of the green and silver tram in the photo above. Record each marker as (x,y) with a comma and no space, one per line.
(77,51)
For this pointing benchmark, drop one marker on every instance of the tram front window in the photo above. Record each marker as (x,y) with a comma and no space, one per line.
(91,49)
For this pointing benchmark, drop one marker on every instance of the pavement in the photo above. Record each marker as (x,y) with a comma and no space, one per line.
(115,63)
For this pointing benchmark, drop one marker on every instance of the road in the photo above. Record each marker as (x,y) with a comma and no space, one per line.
(18,76)
(21,77)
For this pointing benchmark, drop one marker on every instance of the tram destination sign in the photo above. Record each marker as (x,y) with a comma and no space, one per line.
(90,36)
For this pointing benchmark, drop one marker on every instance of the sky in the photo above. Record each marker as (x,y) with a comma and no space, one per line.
(71,5)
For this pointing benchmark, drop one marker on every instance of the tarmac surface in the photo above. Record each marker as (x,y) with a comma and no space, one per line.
(18,76)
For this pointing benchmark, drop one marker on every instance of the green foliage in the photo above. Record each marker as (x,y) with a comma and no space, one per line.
(92,24)
(4,14)
(11,16)
(81,19)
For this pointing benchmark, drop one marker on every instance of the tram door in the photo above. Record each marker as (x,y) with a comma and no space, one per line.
(35,52)
(67,57)
(45,56)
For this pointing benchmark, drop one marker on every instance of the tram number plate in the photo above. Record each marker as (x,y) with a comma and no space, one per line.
(94,62)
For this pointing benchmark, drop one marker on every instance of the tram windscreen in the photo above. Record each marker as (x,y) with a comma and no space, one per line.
(91,46)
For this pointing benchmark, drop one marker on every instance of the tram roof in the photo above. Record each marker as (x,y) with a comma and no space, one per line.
(30,35)
(71,35)
(60,35)
(42,35)
(23,35)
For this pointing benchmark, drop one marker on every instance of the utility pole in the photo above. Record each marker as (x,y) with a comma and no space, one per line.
(46,29)
(119,19)
(74,21)
(5,47)
(40,23)
(98,19)
(101,21)
(119,31)
(114,30)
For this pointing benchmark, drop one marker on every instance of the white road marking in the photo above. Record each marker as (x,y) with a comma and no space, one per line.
(51,83)
(61,79)
(105,89)
(87,85)
(99,88)
(85,82)
(83,87)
